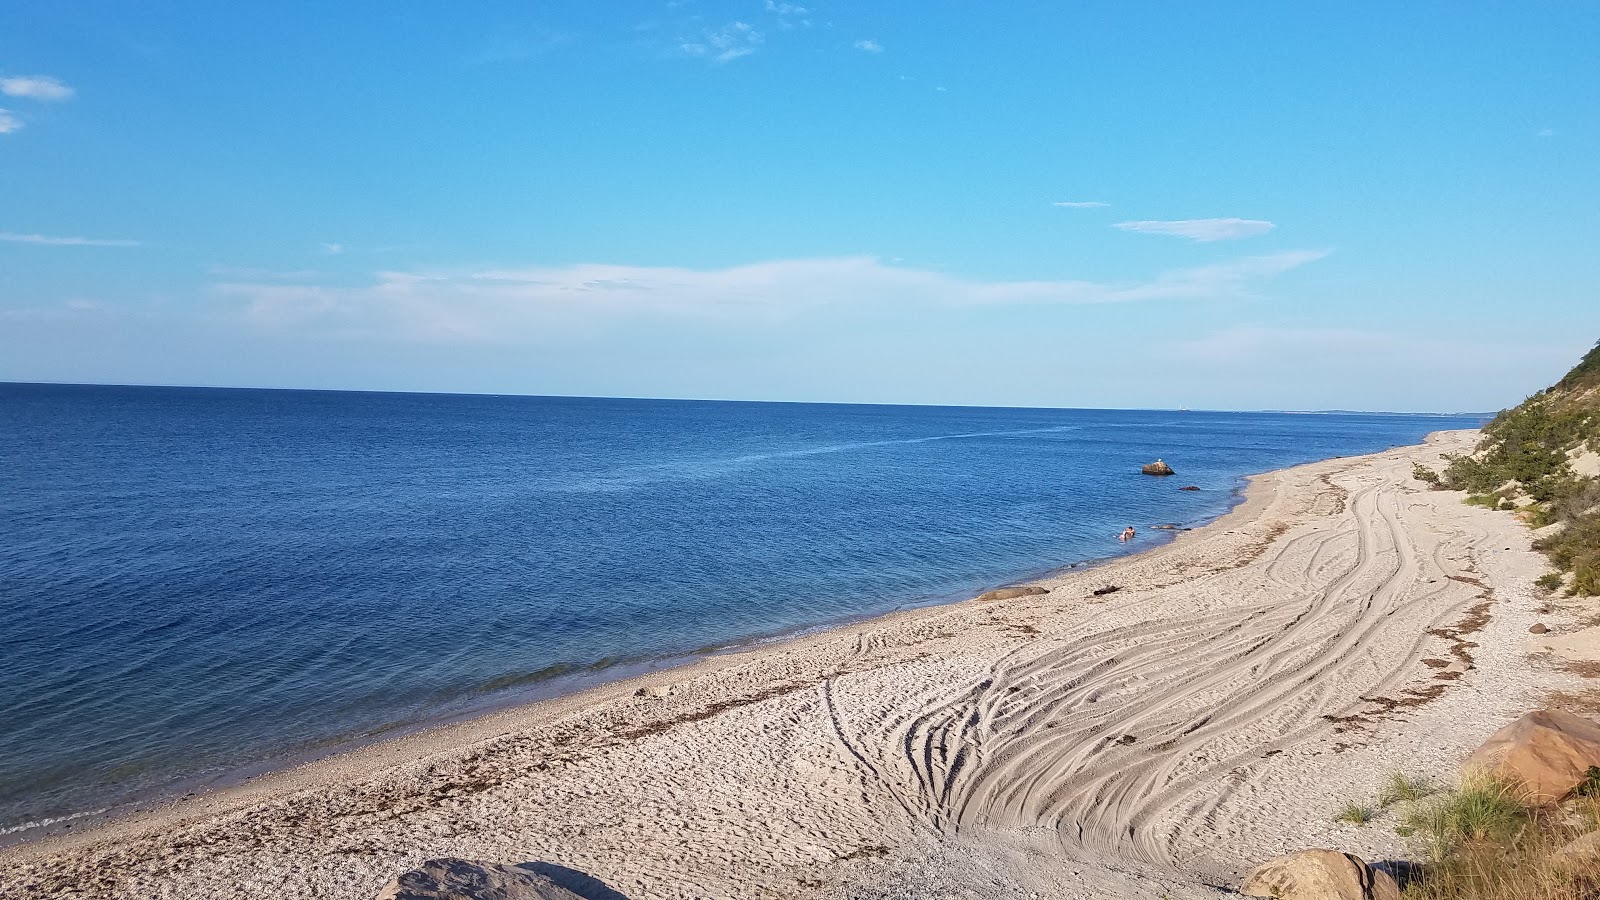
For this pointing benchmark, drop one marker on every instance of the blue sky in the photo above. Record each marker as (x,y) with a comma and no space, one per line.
(1375,206)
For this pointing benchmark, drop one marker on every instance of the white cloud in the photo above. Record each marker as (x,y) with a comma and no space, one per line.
(36,87)
(786,9)
(1080,204)
(1338,349)
(1545,132)
(1311,367)
(9,122)
(512,305)
(15,238)
(1201,229)
(332,249)
(725,44)
(869,45)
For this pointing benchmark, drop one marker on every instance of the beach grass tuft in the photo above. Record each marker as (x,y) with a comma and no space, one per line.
(1483,842)
(1356,813)
(1401,788)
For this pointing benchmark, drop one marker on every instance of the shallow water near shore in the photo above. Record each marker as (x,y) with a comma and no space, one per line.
(196,580)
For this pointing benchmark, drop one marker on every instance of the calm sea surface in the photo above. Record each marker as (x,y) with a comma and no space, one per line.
(198,580)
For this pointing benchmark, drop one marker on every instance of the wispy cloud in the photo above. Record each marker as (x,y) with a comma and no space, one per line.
(786,9)
(36,87)
(254,273)
(9,122)
(516,45)
(12,237)
(1545,132)
(1201,229)
(725,44)
(1080,204)
(869,46)
(332,249)
(1336,349)
(513,305)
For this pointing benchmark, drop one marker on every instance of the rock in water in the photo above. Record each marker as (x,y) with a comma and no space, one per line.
(1320,875)
(1188,487)
(461,879)
(1547,750)
(1157,468)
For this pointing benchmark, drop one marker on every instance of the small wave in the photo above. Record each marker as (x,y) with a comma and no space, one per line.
(41,823)
(521,678)
(622,480)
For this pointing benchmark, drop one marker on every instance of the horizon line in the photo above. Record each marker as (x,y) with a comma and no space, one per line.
(234,387)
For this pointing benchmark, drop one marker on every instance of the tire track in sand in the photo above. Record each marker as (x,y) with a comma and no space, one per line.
(1130,738)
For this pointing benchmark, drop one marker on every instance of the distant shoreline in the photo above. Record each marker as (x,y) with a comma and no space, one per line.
(515,395)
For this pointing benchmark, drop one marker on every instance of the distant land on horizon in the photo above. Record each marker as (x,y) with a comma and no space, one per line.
(226,387)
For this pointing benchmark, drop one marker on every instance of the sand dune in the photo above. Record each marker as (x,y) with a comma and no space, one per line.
(1214,711)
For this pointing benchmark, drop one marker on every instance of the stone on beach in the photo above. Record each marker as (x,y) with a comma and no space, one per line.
(1319,875)
(1548,751)
(460,879)
(1578,646)
(1157,468)
(1579,850)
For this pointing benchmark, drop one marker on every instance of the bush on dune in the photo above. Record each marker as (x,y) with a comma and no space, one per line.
(1524,451)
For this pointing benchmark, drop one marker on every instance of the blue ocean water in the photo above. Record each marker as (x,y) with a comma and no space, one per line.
(195,580)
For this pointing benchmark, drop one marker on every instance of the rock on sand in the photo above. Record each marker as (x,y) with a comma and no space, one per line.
(461,879)
(1319,875)
(1547,750)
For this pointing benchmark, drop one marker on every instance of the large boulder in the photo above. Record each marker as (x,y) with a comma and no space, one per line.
(1157,468)
(1548,751)
(1319,875)
(461,879)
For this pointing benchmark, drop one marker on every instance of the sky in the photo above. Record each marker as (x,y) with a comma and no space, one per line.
(1209,205)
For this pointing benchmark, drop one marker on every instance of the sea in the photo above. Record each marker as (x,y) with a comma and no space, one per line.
(200,582)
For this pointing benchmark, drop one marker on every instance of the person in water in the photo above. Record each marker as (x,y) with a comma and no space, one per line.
(1127,534)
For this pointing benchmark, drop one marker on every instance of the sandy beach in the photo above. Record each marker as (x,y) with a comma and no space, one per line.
(1241,683)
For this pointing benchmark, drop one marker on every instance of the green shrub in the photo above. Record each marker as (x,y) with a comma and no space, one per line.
(1550,581)
(1526,446)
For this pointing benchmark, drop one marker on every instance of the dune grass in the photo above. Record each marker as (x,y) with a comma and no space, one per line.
(1401,788)
(1482,842)
(1355,813)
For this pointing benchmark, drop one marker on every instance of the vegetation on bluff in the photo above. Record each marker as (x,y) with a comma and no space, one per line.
(1527,452)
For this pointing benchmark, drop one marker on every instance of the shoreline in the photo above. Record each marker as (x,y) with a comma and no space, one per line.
(779,761)
(563,685)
